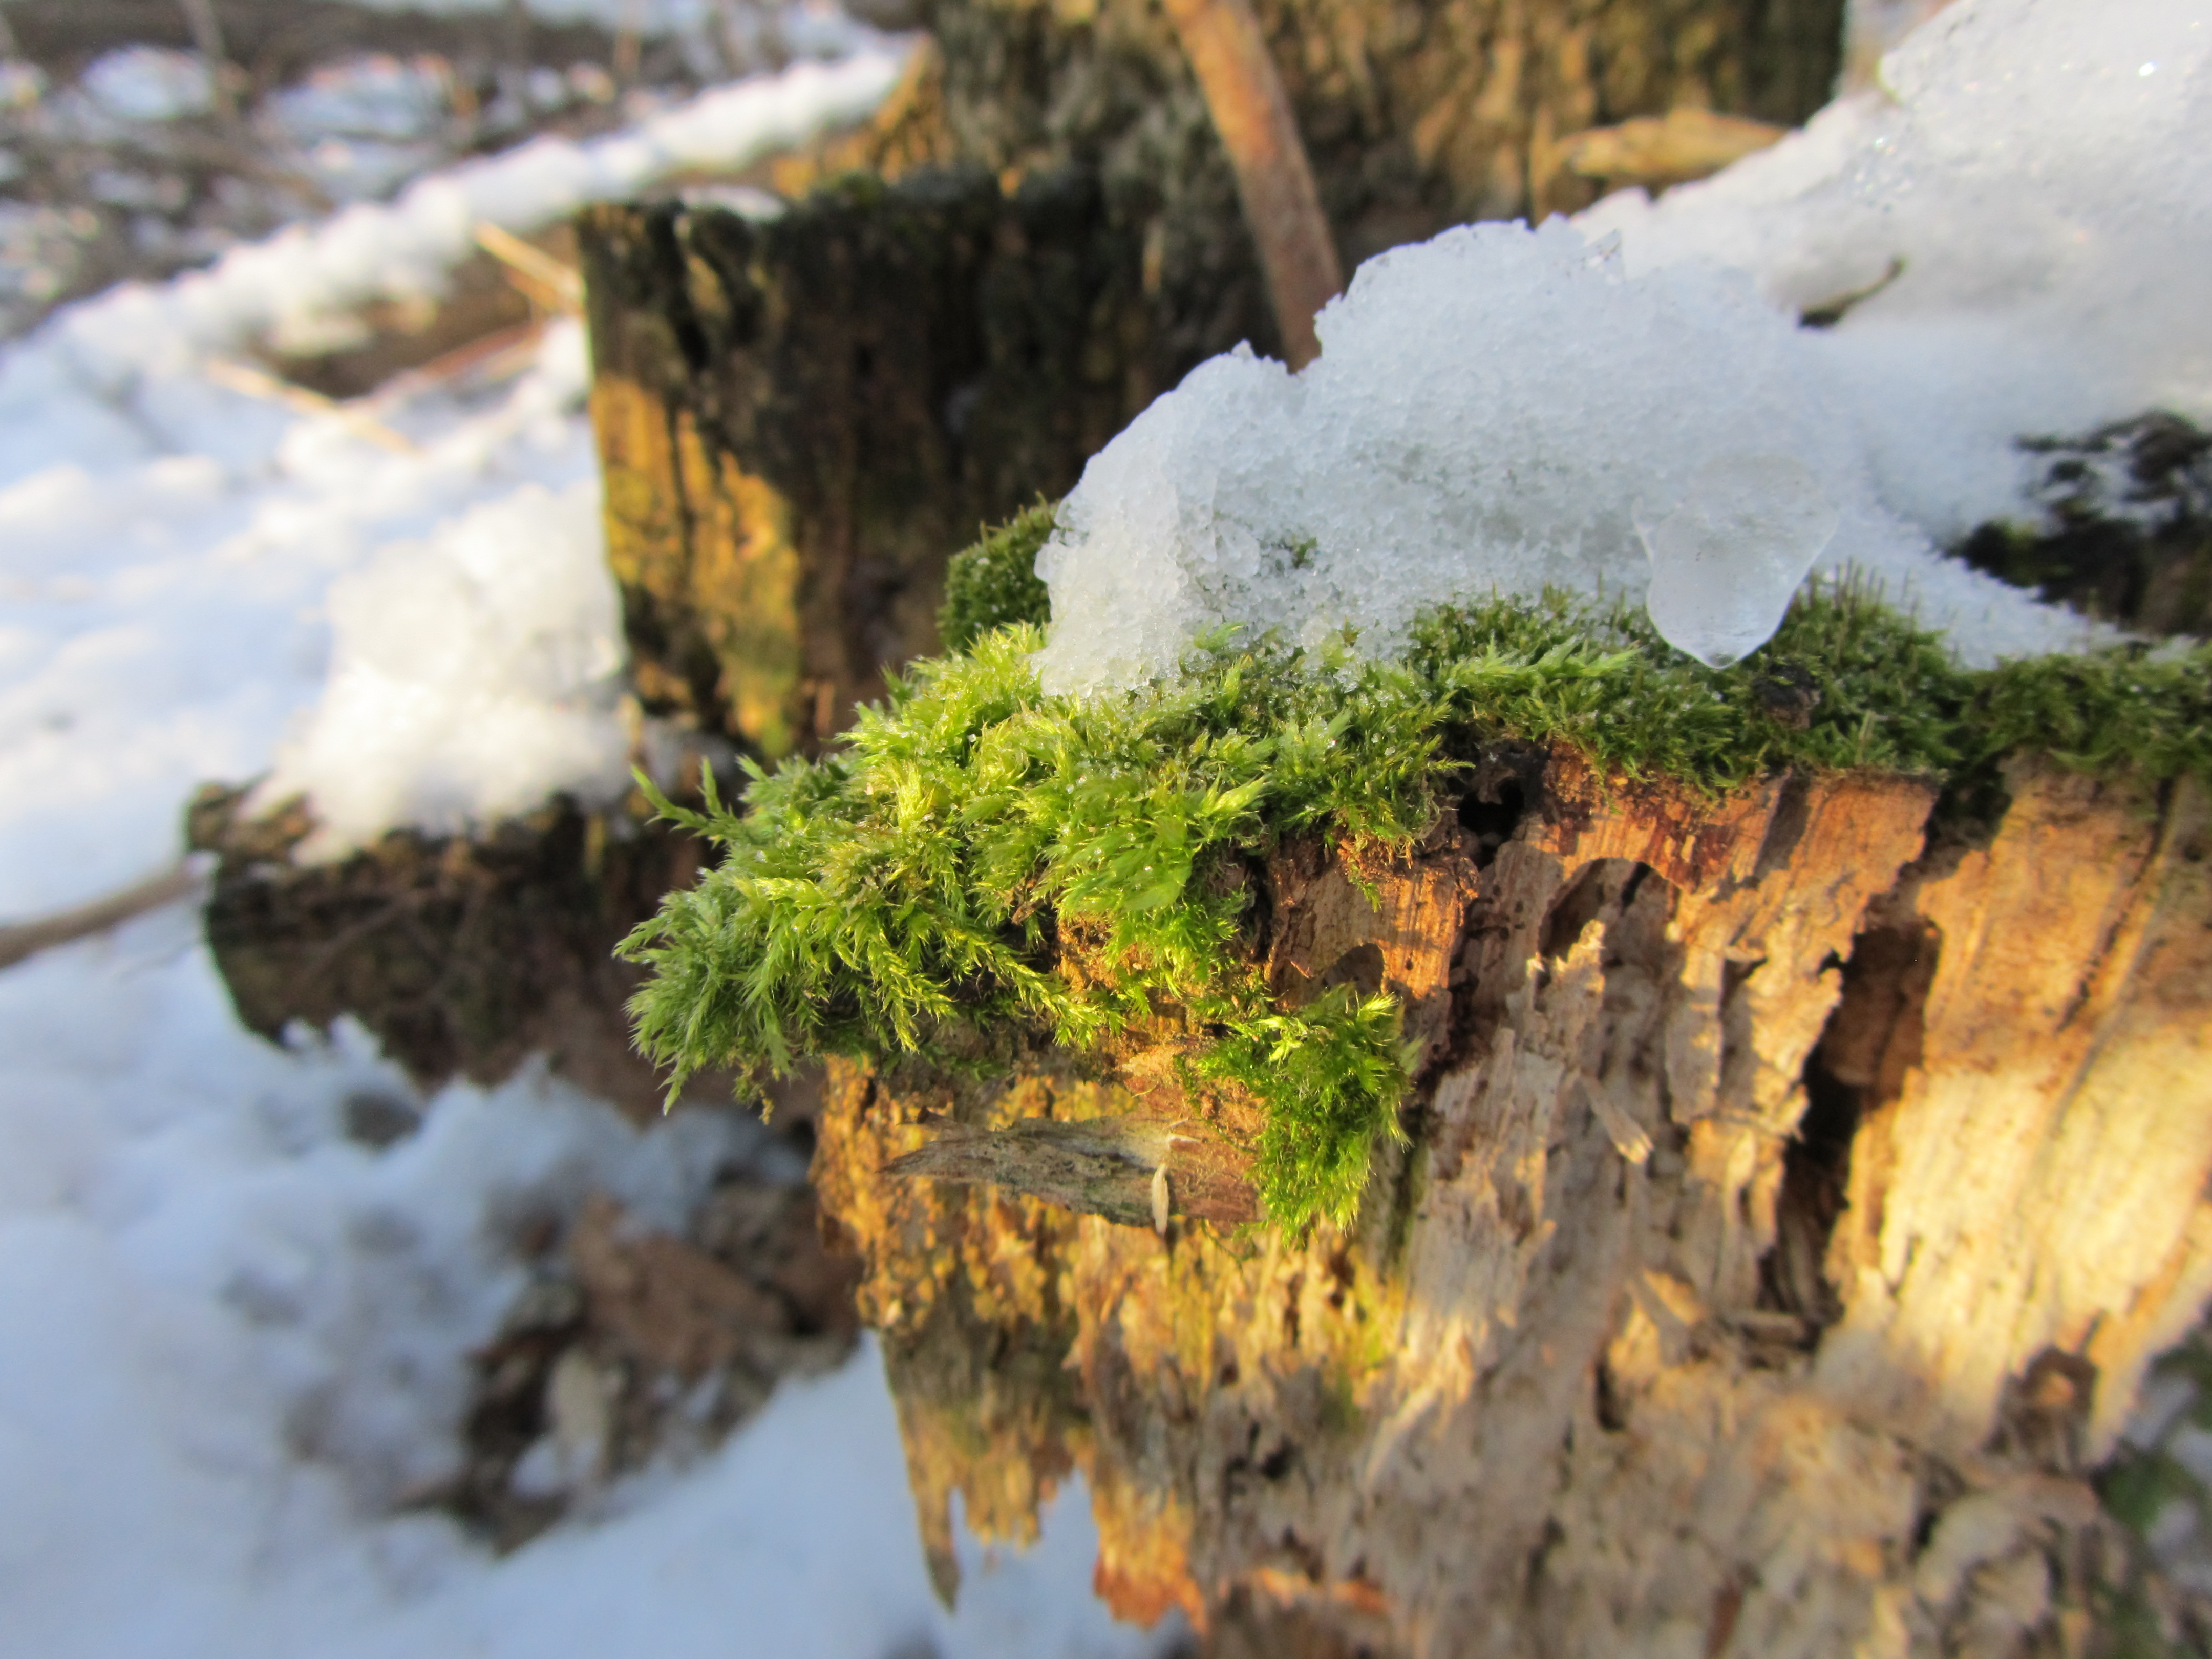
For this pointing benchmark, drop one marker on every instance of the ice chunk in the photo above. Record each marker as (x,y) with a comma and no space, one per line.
(1726,561)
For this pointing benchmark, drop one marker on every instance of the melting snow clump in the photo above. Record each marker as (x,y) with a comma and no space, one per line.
(1631,406)
(2023,206)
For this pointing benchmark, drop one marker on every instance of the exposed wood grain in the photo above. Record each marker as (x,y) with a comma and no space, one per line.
(1577,1383)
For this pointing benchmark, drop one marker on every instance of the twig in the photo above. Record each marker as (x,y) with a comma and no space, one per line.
(23,940)
(207,41)
(257,383)
(536,272)
(1274,180)
(493,356)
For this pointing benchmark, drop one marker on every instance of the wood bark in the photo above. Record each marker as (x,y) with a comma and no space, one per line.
(462,955)
(1795,1192)
(800,421)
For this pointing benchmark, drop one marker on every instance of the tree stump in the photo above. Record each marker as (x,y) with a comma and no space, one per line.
(801,420)
(462,955)
(1793,1196)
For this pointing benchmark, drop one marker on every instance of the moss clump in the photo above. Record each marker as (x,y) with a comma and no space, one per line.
(994,583)
(982,856)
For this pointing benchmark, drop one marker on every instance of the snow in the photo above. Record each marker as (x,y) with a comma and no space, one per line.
(807,28)
(472,674)
(235,1336)
(238,1336)
(171,543)
(644,17)
(1626,406)
(366,122)
(2037,171)
(300,285)
(166,616)
(373,95)
(149,83)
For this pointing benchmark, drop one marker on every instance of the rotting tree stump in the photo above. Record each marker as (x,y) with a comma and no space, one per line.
(800,421)
(1795,1194)
(1414,118)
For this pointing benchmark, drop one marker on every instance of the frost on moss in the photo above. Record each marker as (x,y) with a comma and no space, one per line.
(984,860)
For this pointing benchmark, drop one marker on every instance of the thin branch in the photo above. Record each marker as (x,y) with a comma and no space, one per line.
(207,41)
(1274,180)
(23,940)
(556,286)
(251,382)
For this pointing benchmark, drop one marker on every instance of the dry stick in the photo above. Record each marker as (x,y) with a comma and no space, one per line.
(207,41)
(251,382)
(556,286)
(492,357)
(628,28)
(1252,114)
(27,939)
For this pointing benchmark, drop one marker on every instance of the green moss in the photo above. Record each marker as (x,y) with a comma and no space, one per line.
(981,858)
(994,583)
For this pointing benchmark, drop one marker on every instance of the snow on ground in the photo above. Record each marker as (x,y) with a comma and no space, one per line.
(236,1338)
(169,540)
(2014,226)
(233,1335)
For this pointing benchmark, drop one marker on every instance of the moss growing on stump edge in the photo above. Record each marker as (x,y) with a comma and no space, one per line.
(983,866)
(995,581)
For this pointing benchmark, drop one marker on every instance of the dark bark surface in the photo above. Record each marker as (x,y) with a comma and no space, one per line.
(801,420)
(462,957)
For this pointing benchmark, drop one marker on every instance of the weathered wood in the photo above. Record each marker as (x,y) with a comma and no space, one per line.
(462,955)
(800,421)
(1796,1196)
(1413,118)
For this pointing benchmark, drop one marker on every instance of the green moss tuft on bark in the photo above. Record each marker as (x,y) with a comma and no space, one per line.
(982,856)
(995,582)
